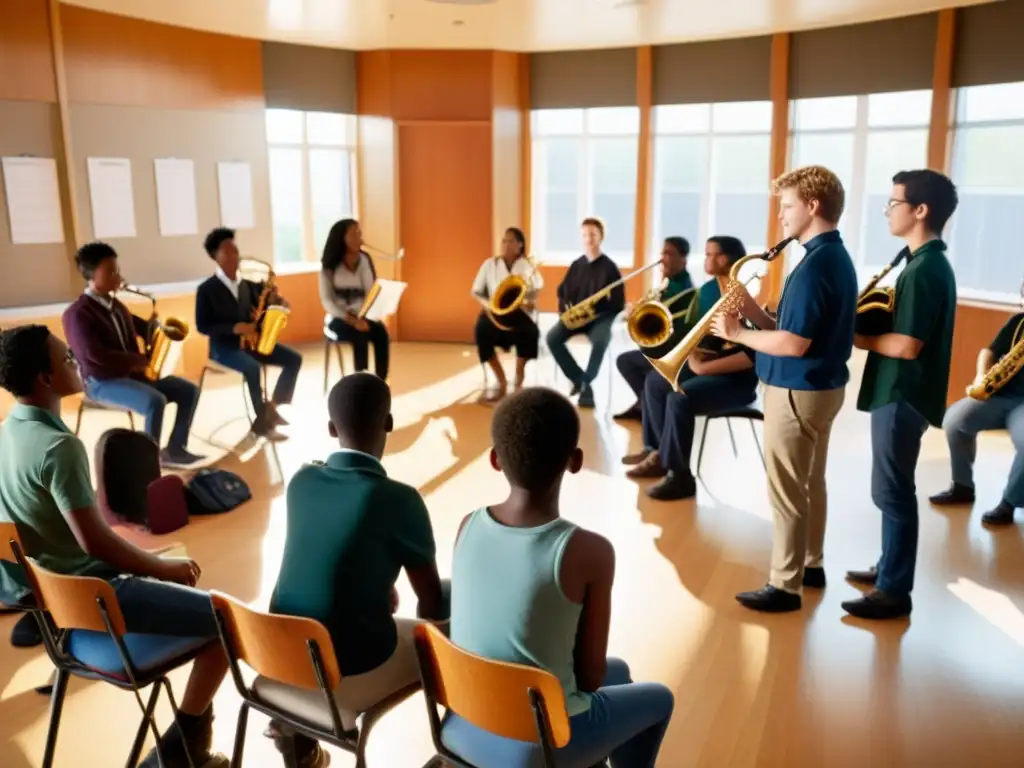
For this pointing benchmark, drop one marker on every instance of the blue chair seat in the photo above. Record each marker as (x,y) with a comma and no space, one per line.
(149,653)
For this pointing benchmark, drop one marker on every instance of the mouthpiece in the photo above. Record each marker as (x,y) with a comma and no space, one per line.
(778,248)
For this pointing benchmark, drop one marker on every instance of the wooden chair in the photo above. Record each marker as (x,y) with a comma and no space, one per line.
(509,700)
(298,653)
(94,405)
(85,635)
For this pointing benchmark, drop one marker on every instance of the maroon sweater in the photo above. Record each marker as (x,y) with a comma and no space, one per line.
(90,331)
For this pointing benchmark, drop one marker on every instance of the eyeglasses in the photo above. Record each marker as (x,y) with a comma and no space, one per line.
(892,203)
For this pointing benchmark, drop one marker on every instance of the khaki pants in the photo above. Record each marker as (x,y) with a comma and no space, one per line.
(797,425)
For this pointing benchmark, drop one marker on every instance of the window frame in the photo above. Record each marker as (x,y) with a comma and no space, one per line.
(347,145)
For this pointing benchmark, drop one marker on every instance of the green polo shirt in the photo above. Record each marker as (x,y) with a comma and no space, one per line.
(350,531)
(925,309)
(1012,331)
(44,475)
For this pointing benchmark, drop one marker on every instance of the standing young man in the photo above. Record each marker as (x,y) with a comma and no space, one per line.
(224,308)
(802,360)
(905,382)
(586,276)
(103,335)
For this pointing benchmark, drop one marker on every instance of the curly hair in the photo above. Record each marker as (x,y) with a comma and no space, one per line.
(815,182)
(24,356)
(535,432)
(215,239)
(91,255)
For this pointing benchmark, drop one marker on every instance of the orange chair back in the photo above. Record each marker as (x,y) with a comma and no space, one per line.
(71,600)
(9,533)
(492,694)
(277,646)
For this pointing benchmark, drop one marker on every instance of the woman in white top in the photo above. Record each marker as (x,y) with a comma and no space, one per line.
(347,274)
(523,333)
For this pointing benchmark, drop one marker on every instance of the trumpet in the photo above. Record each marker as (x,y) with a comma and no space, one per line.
(383,254)
(672,362)
(510,294)
(161,337)
(875,306)
(650,323)
(584,312)
(269,319)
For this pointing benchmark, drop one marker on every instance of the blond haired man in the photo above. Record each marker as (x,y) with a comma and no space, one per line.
(802,357)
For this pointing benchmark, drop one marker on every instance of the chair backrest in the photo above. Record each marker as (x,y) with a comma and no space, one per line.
(493,695)
(126,463)
(8,533)
(71,601)
(277,646)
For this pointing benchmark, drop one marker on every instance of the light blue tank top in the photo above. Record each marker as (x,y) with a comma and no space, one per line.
(506,601)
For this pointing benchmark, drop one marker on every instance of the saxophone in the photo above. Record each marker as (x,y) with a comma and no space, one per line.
(1004,370)
(269,319)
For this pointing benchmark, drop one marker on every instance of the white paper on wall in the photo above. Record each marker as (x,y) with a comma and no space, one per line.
(110,192)
(234,183)
(176,196)
(33,200)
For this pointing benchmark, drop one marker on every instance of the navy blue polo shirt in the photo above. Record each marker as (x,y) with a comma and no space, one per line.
(819,302)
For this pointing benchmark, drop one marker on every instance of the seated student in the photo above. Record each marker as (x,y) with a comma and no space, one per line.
(347,274)
(529,587)
(634,365)
(46,490)
(589,274)
(709,384)
(351,531)
(224,309)
(103,335)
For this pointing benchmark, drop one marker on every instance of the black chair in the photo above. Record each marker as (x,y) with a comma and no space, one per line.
(331,340)
(747,412)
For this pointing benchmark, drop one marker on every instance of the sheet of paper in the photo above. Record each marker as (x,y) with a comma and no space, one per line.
(33,200)
(111,196)
(176,196)
(234,183)
(387,300)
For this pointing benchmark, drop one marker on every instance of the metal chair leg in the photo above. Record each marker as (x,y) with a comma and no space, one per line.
(243,721)
(757,442)
(140,734)
(703,439)
(732,439)
(341,360)
(60,689)
(327,362)
(131,420)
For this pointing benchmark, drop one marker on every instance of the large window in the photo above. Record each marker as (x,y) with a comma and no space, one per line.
(312,179)
(711,173)
(584,164)
(865,140)
(988,169)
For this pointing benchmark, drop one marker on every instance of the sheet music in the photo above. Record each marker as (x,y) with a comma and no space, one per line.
(111,196)
(386,303)
(33,200)
(234,182)
(176,196)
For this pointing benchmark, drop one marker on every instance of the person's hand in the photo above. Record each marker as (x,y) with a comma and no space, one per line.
(360,324)
(726,326)
(245,329)
(394,600)
(529,305)
(181,570)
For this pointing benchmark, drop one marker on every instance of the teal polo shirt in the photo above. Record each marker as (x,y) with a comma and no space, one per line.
(350,531)
(925,310)
(819,302)
(44,475)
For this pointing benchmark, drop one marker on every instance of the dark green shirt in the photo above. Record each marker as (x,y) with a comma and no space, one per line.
(1001,345)
(351,530)
(925,310)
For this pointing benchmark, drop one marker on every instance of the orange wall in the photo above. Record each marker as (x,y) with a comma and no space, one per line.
(975,328)
(26,64)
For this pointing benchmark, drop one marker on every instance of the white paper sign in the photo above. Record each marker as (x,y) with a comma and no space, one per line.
(386,303)
(110,192)
(176,196)
(33,200)
(234,182)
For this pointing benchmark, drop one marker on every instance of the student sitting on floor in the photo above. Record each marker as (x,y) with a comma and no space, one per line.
(46,490)
(529,587)
(351,530)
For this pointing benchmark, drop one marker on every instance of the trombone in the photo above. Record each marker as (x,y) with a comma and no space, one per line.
(650,322)
(582,313)
(510,294)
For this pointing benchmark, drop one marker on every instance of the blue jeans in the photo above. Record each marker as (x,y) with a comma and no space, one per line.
(635,368)
(669,417)
(896,432)
(965,419)
(598,332)
(626,722)
(150,398)
(152,607)
(248,364)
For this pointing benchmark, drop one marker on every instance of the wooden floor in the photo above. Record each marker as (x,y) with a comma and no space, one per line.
(807,689)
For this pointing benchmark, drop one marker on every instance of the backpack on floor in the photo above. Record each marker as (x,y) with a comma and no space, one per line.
(213,491)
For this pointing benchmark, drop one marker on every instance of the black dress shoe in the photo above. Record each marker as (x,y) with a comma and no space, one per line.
(26,632)
(770,600)
(674,487)
(633,413)
(1001,515)
(586,398)
(814,578)
(955,494)
(867,578)
(879,605)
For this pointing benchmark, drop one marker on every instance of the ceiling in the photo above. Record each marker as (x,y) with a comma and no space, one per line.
(517,25)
